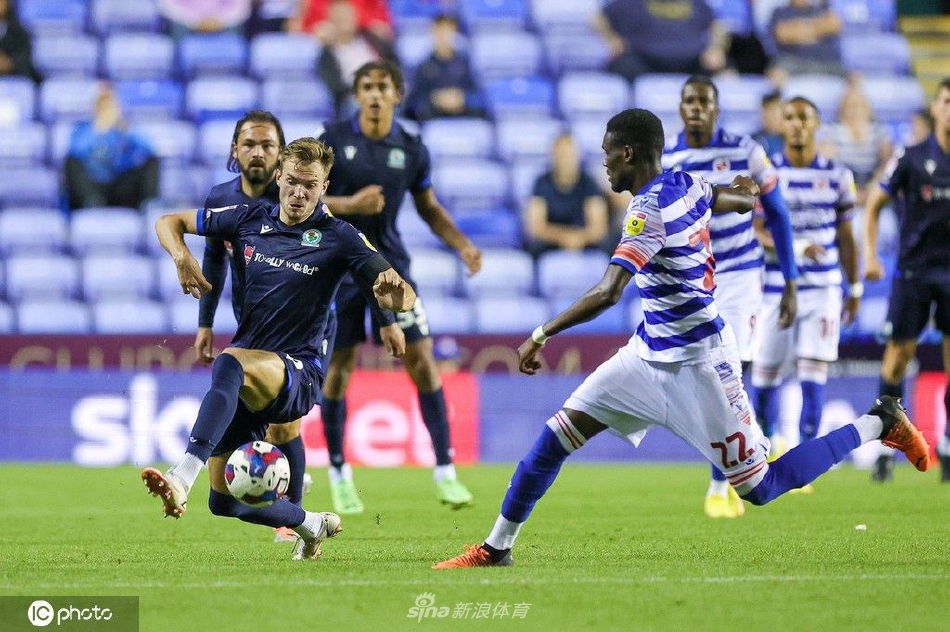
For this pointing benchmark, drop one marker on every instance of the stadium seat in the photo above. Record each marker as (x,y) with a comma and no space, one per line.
(825,91)
(592,94)
(214,142)
(448,315)
(296,97)
(173,140)
(169,288)
(139,56)
(211,54)
(67,98)
(872,16)
(7,320)
(736,17)
(613,320)
(53,316)
(299,127)
(510,314)
(505,272)
(491,228)
(894,97)
(107,229)
(183,316)
(659,92)
(459,138)
(571,51)
(741,95)
(471,183)
(414,46)
(66,54)
(520,96)
(588,133)
(129,316)
(872,314)
(568,18)
(24,146)
(873,53)
(484,15)
(182,186)
(47,276)
(43,189)
(436,272)
(115,276)
(32,231)
(284,55)
(151,99)
(502,54)
(524,173)
(17,100)
(528,139)
(220,97)
(123,16)
(44,17)
(413,229)
(565,274)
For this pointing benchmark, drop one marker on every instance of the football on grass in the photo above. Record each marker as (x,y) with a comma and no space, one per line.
(257,474)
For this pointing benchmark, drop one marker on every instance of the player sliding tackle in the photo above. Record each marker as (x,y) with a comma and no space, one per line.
(296,254)
(681,370)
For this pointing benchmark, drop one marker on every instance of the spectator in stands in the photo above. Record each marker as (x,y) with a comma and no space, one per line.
(107,165)
(662,36)
(372,15)
(770,136)
(444,84)
(204,16)
(16,44)
(346,47)
(567,209)
(807,38)
(858,141)
(268,16)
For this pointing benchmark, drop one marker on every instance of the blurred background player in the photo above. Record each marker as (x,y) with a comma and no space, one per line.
(820,195)
(681,370)
(378,161)
(919,176)
(705,149)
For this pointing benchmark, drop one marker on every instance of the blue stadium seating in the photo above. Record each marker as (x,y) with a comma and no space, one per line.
(459,138)
(299,127)
(524,173)
(659,93)
(448,315)
(588,133)
(866,15)
(117,16)
(67,98)
(735,15)
(497,55)
(183,316)
(414,231)
(436,272)
(66,54)
(151,99)
(564,18)
(228,97)
(25,147)
(611,321)
(566,51)
(211,54)
(117,276)
(484,15)
(129,316)
(183,186)
(894,97)
(53,16)
(214,142)
(42,187)
(17,100)
(46,276)
(471,183)
(19,232)
(564,274)
(173,140)
(876,53)
(491,228)
(825,91)
(108,229)
(505,272)
(510,315)
(527,139)
(872,314)
(138,56)
(520,96)
(415,15)
(7,319)
(592,94)
(296,97)
(414,46)
(53,316)
(283,55)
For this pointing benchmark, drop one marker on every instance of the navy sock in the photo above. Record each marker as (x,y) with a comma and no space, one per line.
(717,474)
(333,413)
(804,463)
(894,390)
(218,406)
(297,458)
(765,403)
(813,399)
(437,423)
(533,476)
(282,513)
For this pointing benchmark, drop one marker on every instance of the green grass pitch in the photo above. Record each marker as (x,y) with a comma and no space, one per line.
(610,547)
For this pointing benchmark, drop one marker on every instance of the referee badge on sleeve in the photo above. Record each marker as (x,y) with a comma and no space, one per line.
(635,223)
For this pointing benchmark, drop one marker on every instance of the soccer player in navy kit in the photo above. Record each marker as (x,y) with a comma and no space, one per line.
(921,175)
(377,162)
(295,253)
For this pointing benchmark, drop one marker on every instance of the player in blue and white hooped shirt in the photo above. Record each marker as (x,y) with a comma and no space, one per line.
(820,194)
(681,369)
(705,149)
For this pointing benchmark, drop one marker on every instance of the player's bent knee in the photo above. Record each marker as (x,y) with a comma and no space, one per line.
(222,504)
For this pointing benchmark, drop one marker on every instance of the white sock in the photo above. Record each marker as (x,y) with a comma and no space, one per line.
(717,488)
(441,472)
(869,427)
(943,446)
(342,473)
(187,470)
(503,534)
(312,525)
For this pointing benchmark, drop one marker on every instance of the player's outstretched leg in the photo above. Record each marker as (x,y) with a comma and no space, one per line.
(532,478)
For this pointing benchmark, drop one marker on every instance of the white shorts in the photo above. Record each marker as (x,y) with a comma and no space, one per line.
(738,296)
(814,335)
(702,402)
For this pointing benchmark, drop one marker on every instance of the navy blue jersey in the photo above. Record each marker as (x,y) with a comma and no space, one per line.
(216,250)
(291,272)
(398,163)
(921,175)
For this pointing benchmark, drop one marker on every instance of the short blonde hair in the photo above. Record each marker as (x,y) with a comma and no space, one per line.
(307,150)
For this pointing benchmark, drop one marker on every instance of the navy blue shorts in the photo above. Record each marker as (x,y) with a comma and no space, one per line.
(351,318)
(912,297)
(301,393)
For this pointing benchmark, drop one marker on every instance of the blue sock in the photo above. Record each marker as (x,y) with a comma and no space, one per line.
(333,413)
(437,423)
(282,513)
(813,400)
(765,403)
(533,476)
(894,390)
(804,463)
(717,474)
(218,406)
(297,458)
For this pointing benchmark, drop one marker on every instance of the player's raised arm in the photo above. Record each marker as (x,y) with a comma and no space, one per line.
(442,224)
(171,229)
